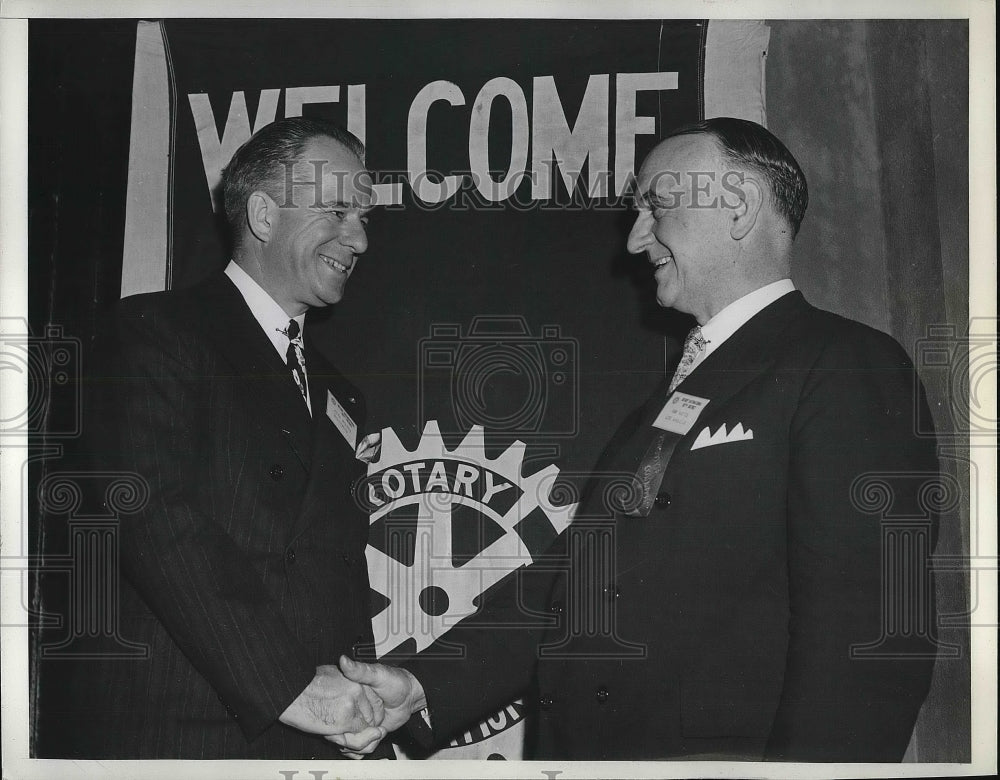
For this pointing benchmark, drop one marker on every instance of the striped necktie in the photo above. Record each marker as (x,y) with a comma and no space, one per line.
(653,465)
(295,358)
(694,345)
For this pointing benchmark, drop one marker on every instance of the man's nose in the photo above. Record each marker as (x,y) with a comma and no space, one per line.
(640,236)
(355,236)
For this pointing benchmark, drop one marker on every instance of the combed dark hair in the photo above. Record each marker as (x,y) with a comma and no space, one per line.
(259,163)
(747,143)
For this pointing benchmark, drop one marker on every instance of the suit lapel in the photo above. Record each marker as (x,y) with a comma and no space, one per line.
(634,448)
(237,335)
(744,356)
(331,455)
(325,381)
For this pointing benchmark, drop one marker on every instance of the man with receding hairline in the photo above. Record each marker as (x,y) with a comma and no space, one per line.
(741,567)
(245,572)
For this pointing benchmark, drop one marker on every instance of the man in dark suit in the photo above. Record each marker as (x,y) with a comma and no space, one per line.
(245,570)
(741,610)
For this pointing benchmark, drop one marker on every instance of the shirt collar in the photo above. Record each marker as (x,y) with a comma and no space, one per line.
(271,317)
(738,313)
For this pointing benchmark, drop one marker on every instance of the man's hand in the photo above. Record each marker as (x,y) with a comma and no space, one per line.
(400,692)
(339,709)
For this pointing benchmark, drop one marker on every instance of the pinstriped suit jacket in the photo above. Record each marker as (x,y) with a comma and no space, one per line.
(246,569)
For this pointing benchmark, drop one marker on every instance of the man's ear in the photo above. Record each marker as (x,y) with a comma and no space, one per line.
(261,213)
(744,216)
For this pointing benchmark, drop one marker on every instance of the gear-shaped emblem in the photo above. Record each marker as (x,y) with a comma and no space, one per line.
(429,594)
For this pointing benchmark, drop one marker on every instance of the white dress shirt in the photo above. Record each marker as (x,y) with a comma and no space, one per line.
(271,317)
(736,315)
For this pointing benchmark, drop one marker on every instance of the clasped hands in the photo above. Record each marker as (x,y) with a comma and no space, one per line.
(356,705)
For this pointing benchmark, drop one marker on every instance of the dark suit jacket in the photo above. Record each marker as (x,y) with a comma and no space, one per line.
(246,569)
(721,624)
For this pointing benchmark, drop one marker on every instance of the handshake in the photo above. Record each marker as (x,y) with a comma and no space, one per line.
(356,705)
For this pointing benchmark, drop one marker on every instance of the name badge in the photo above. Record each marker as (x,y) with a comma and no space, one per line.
(679,413)
(338,416)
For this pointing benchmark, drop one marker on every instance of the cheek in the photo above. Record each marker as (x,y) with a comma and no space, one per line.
(311,238)
(666,232)
(679,232)
(660,231)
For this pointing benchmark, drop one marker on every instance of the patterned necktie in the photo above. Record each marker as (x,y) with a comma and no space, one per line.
(694,344)
(653,465)
(295,359)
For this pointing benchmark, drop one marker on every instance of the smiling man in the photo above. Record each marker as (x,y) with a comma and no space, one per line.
(706,228)
(245,572)
(301,233)
(774,618)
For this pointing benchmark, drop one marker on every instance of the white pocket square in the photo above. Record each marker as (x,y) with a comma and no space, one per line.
(708,439)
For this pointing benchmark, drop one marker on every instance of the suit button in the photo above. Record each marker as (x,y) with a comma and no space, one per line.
(602,695)
(352,400)
(545,703)
(611,591)
(290,556)
(662,500)
(276,472)
(557,607)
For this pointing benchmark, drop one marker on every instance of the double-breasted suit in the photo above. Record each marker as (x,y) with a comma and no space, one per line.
(246,567)
(722,624)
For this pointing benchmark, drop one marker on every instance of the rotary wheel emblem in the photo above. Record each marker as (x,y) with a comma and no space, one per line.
(426,586)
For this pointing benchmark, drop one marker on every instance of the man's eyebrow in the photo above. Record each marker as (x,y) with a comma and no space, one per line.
(649,200)
(342,204)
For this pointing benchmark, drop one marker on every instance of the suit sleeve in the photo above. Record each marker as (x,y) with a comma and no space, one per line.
(177,554)
(855,418)
(498,661)
(498,653)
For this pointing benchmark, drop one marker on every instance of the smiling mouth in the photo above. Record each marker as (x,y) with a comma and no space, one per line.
(336,265)
(659,262)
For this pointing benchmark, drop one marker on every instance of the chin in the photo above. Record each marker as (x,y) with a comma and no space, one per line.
(665,299)
(330,295)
